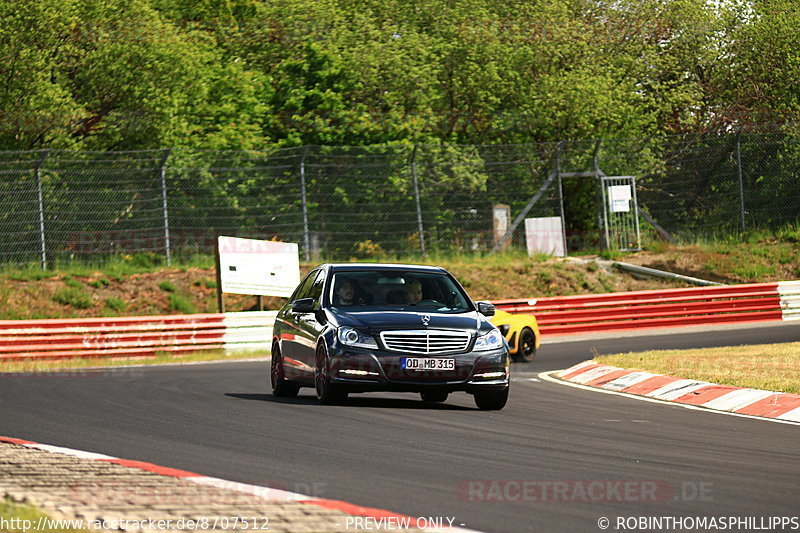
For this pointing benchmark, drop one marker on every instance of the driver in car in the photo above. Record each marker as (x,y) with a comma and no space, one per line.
(348,293)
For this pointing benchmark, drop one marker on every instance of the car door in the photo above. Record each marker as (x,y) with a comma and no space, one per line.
(292,336)
(309,328)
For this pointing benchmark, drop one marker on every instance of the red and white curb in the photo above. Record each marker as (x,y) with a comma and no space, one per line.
(391,519)
(738,400)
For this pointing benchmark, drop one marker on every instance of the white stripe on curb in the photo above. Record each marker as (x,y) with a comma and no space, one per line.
(256,490)
(594,373)
(627,380)
(68,451)
(676,389)
(735,400)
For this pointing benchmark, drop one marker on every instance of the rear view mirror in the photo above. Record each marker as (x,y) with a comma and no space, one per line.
(303,305)
(486,309)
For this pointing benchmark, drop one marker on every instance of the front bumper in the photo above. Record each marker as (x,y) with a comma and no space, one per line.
(362,370)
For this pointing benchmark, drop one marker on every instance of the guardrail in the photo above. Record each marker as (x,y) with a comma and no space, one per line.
(562,315)
(135,336)
(251,331)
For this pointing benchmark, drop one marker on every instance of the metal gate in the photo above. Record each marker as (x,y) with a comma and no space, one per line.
(620,213)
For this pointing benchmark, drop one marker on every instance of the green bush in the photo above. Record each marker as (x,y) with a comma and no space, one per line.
(144,259)
(115,304)
(206,282)
(181,304)
(73,297)
(72,283)
(167,286)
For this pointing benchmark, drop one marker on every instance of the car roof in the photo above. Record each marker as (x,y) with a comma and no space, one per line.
(343,267)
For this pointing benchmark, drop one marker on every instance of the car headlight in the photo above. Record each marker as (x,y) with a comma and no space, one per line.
(351,337)
(490,341)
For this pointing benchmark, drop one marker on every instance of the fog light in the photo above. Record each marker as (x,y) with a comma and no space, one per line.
(351,372)
(489,375)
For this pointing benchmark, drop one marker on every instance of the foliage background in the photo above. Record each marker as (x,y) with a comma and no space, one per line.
(245,74)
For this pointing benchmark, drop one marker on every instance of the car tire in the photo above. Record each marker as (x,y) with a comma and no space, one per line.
(491,400)
(281,388)
(434,396)
(327,393)
(526,346)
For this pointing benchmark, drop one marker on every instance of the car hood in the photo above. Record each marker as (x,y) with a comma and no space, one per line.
(376,321)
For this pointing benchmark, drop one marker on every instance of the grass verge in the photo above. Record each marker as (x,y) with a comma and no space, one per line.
(161,358)
(773,367)
(20,518)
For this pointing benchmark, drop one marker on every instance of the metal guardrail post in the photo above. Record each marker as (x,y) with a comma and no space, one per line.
(164,204)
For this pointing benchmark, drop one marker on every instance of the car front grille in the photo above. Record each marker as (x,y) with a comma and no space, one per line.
(426,341)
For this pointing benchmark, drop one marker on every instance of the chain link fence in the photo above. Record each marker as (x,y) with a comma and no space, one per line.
(343,202)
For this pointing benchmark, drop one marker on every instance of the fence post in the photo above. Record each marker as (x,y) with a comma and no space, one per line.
(561,196)
(304,201)
(741,179)
(598,195)
(420,228)
(164,203)
(39,164)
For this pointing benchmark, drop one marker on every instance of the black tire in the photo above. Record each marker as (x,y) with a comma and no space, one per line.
(434,396)
(491,400)
(327,393)
(281,388)
(526,350)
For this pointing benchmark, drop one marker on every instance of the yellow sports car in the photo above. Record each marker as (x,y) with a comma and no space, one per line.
(521,332)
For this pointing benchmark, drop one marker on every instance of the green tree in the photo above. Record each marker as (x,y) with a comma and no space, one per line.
(35,108)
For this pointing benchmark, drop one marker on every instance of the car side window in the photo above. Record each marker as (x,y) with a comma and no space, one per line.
(316,286)
(304,290)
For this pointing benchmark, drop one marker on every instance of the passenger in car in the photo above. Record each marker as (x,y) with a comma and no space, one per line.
(414,291)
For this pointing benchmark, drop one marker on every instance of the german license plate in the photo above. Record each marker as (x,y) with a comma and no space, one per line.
(427,363)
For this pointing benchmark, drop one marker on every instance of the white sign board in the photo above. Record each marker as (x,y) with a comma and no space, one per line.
(249,266)
(501,214)
(545,235)
(619,198)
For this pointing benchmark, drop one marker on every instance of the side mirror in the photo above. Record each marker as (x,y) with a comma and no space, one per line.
(303,305)
(486,309)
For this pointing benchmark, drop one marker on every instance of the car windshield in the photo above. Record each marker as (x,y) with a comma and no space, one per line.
(397,291)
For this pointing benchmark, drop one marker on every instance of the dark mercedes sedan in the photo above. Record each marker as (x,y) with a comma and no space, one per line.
(360,327)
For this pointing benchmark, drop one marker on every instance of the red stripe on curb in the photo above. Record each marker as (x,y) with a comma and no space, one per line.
(20,442)
(773,406)
(579,371)
(610,376)
(150,467)
(705,394)
(649,385)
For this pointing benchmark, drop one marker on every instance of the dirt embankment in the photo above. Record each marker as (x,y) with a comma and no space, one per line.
(193,290)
